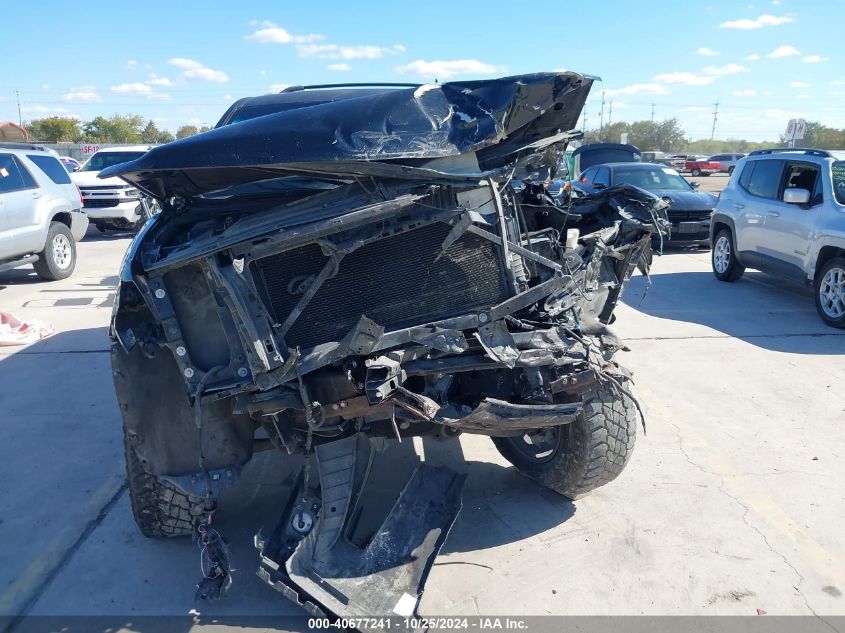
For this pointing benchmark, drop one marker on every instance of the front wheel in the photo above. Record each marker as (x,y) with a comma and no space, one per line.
(830,292)
(575,459)
(58,259)
(726,267)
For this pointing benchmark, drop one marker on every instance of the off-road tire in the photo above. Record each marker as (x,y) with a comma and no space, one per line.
(734,270)
(161,509)
(833,263)
(591,452)
(50,265)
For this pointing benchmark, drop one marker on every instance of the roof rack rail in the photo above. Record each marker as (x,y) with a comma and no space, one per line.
(12,145)
(796,150)
(353,85)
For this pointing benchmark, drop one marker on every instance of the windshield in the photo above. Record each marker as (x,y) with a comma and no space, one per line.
(101,160)
(651,179)
(837,171)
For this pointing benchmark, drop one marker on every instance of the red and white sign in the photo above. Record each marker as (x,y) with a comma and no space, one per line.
(90,149)
(795,130)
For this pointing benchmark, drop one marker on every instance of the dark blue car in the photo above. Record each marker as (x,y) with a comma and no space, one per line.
(690,211)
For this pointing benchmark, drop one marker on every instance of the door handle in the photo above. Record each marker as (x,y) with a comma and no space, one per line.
(774,214)
(36,194)
(738,206)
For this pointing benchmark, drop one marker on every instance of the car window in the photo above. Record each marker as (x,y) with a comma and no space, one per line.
(837,172)
(13,176)
(656,179)
(803,176)
(54,170)
(587,176)
(720,157)
(602,177)
(101,160)
(765,179)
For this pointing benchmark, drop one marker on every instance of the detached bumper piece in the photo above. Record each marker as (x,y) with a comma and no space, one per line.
(310,560)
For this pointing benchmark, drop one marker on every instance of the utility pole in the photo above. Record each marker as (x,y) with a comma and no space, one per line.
(715,116)
(652,112)
(585,122)
(601,114)
(18,96)
(610,113)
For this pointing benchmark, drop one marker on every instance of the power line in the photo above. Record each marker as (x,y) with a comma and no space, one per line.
(610,113)
(715,116)
(601,114)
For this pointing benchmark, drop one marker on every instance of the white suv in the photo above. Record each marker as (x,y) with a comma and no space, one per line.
(783,212)
(40,217)
(111,203)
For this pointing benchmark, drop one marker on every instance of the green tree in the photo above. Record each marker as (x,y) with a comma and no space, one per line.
(205,128)
(822,137)
(166,137)
(150,133)
(186,130)
(56,129)
(118,128)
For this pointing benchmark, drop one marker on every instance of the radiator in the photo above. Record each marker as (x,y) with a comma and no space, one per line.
(394,281)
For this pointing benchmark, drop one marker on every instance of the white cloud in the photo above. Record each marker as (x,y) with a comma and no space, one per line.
(42,111)
(130,63)
(227,97)
(155,80)
(684,78)
(636,89)
(803,96)
(443,69)
(757,23)
(799,84)
(815,59)
(140,90)
(752,57)
(707,52)
(278,87)
(195,70)
(83,94)
(337,51)
(342,67)
(727,69)
(783,51)
(748,92)
(271,33)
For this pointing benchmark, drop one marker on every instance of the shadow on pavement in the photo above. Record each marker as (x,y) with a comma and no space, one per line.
(759,309)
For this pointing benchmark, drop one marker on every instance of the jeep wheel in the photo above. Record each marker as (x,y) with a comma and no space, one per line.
(58,259)
(723,258)
(830,292)
(161,509)
(574,459)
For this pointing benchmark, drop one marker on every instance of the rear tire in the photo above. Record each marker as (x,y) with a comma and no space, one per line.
(585,454)
(830,292)
(723,259)
(695,173)
(58,259)
(161,510)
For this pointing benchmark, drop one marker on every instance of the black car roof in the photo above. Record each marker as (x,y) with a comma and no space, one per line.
(294,97)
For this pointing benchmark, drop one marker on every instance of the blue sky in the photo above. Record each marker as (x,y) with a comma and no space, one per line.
(184,61)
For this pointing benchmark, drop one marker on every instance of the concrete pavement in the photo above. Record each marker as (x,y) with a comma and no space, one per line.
(732,503)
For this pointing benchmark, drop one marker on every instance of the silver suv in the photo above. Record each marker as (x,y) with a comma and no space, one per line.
(727,161)
(783,212)
(40,217)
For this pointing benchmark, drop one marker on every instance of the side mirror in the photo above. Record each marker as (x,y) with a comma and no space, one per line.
(695,184)
(796,196)
(599,185)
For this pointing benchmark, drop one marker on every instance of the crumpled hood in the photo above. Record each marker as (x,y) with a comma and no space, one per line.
(92,179)
(391,134)
(688,200)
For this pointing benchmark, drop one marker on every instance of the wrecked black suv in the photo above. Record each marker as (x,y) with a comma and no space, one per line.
(336,268)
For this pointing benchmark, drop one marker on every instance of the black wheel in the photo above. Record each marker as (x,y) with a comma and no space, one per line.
(830,292)
(576,458)
(161,510)
(723,258)
(58,259)
(730,171)
(695,172)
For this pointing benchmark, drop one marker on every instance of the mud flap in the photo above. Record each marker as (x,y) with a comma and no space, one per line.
(328,574)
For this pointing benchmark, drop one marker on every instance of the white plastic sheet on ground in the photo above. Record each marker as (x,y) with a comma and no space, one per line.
(14,331)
